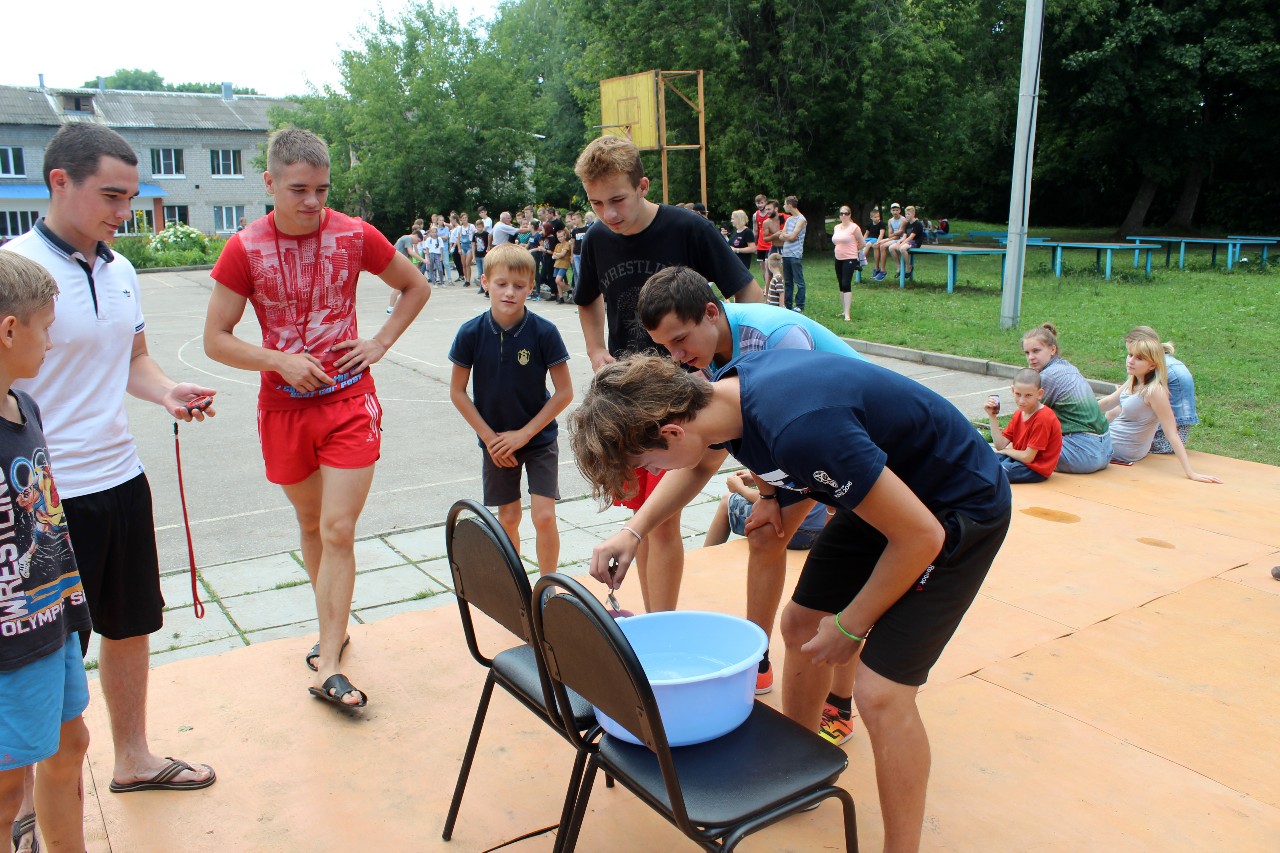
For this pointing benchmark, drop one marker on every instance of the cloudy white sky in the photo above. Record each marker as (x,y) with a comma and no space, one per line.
(274,46)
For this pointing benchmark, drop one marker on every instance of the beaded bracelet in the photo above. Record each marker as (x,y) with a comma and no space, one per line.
(853,637)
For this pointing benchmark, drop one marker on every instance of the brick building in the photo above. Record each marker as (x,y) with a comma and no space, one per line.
(198,155)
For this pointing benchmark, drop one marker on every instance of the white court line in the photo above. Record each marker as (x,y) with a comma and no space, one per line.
(388,357)
(217,376)
(289,508)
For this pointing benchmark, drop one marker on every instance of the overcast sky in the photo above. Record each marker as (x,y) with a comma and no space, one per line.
(274,46)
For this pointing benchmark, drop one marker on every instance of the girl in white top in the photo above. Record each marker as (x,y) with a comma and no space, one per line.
(1141,404)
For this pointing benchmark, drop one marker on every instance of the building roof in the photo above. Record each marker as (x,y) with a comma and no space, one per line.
(122,109)
(26,192)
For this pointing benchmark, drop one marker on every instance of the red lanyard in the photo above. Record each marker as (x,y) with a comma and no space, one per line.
(315,274)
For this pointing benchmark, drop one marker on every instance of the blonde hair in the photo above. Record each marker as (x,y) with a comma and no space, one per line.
(608,156)
(1168,346)
(1148,347)
(511,257)
(291,145)
(622,414)
(25,286)
(774,262)
(739,218)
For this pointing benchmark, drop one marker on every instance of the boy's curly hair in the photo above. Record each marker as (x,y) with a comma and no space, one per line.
(628,402)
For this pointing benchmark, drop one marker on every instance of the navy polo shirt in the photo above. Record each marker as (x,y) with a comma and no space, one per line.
(509,369)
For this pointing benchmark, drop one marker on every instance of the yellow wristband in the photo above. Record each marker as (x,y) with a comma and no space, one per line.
(853,637)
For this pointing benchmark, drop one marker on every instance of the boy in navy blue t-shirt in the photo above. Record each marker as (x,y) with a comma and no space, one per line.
(43,689)
(511,350)
(922,507)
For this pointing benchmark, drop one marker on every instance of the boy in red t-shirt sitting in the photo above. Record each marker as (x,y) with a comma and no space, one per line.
(1030,445)
(318,416)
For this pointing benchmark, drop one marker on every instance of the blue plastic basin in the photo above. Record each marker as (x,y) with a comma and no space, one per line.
(703,670)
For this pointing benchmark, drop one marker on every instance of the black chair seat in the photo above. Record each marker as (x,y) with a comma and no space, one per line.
(725,781)
(518,667)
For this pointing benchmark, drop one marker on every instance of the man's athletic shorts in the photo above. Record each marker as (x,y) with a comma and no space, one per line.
(113,533)
(346,433)
(502,485)
(646,483)
(908,639)
(36,700)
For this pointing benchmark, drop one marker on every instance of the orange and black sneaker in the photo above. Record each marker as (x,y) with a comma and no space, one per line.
(764,678)
(836,727)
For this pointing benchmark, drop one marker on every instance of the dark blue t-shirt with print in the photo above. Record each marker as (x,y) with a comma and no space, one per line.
(826,426)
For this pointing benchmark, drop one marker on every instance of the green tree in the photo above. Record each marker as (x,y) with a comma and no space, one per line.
(132,79)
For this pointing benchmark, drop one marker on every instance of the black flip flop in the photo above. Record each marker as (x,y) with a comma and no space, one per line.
(23,826)
(334,688)
(314,654)
(164,780)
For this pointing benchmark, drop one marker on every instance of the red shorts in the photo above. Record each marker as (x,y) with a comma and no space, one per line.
(647,483)
(346,433)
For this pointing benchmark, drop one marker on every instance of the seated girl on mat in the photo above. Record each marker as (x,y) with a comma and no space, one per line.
(1141,404)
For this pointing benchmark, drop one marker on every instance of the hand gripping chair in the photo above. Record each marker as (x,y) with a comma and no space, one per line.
(489,576)
(716,792)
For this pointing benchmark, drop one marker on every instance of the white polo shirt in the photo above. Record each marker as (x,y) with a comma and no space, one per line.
(81,387)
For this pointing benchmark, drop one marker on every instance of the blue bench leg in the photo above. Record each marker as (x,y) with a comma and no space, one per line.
(1108,264)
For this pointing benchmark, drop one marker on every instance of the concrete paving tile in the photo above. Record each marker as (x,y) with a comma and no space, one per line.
(586,512)
(385,586)
(577,544)
(373,614)
(295,629)
(176,587)
(182,628)
(697,517)
(439,572)
(418,545)
(271,608)
(255,575)
(214,647)
(374,554)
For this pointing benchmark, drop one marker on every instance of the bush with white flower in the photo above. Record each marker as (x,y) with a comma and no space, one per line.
(179,237)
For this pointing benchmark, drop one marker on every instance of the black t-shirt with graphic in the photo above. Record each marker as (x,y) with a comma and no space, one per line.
(42,602)
(617,266)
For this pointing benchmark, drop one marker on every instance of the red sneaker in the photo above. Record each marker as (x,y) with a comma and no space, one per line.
(764,679)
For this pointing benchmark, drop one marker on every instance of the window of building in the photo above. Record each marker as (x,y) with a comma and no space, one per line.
(226,217)
(15,222)
(225,162)
(77,103)
(11,163)
(176,213)
(167,162)
(142,222)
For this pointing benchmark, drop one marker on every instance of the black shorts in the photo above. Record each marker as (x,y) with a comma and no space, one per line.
(114,537)
(762,255)
(908,639)
(502,485)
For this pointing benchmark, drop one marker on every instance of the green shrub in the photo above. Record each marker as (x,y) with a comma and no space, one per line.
(180,249)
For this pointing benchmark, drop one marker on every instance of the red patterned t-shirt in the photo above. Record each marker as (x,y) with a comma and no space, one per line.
(303,289)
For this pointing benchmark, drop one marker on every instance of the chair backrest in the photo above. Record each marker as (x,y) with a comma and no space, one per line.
(487,573)
(586,651)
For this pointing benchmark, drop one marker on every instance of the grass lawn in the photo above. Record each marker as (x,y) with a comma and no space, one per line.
(1223,323)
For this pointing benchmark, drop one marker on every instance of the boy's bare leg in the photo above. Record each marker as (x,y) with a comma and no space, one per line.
(11,794)
(59,790)
(306,500)
(123,669)
(662,567)
(901,749)
(767,565)
(28,804)
(543,511)
(805,684)
(718,530)
(509,518)
(845,676)
(342,493)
